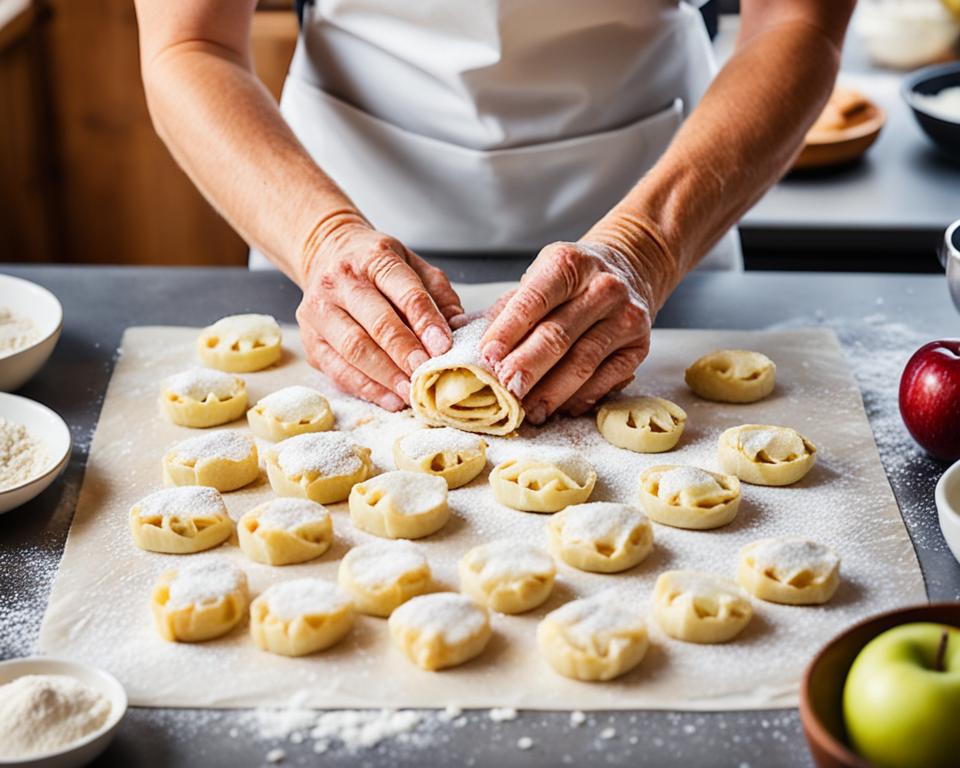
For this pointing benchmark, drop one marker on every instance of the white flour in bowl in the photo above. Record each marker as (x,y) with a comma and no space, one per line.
(16,331)
(45,713)
(22,456)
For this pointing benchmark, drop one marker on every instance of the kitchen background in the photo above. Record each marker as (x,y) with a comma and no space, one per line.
(84,178)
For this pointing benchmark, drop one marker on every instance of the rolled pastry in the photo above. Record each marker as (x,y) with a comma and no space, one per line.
(455,390)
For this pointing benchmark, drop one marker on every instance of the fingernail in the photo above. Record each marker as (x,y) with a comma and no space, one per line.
(435,340)
(458,320)
(537,414)
(403,389)
(492,353)
(515,385)
(391,402)
(416,358)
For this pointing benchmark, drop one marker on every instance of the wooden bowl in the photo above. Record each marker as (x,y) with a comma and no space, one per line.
(821,693)
(822,149)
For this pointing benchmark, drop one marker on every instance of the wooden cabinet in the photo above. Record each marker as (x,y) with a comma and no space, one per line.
(104,189)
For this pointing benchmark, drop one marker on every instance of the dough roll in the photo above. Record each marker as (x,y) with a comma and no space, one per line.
(455,390)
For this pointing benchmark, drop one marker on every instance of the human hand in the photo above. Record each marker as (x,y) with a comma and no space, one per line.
(578,326)
(372,311)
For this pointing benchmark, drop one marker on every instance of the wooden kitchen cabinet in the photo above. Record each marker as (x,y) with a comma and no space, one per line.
(105,189)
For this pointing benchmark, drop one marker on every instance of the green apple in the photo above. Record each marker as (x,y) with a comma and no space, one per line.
(901,700)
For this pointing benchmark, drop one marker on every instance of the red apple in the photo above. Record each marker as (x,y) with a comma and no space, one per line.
(930,398)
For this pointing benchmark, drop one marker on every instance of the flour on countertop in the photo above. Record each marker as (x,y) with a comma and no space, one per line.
(22,456)
(16,332)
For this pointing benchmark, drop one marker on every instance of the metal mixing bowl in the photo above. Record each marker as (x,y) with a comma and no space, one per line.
(950,258)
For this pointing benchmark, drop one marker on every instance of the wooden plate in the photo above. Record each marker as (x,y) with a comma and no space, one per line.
(823,149)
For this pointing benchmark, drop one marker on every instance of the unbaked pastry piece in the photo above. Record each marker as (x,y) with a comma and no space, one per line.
(299,617)
(732,376)
(789,571)
(601,536)
(285,531)
(455,390)
(456,456)
(320,466)
(689,497)
(225,460)
(203,397)
(765,455)
(507,576)
(700,607)
(199,601)
(595,638)
(240,343)
(400,505)
(545,480)
(642,424)
(383,575)
(440,630)
(289,412)
(180,521)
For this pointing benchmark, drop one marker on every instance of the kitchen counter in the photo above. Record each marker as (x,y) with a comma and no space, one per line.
(871,313)
(887,211)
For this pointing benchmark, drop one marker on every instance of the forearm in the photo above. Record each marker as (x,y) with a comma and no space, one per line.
(733,147)
(225,131)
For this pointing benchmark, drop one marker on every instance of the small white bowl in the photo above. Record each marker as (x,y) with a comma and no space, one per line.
(39,305)
(48,429)
(947,496)
(87,749)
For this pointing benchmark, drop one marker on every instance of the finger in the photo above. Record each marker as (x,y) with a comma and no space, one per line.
(403,287)
(629,328)
(352,342)
(371,309)
(598,385)
(556,275)
(553,336)
(439,287)
(498,306)
(344,376)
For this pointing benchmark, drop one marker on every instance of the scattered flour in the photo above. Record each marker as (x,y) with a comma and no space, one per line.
(503,714)
(45,713)
(22,456)
(16,332)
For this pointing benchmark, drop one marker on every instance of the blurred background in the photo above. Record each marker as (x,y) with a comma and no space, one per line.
(84,179)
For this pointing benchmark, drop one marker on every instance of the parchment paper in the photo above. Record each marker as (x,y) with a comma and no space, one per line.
(98,610)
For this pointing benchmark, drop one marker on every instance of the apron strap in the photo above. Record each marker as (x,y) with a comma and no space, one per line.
(298,6)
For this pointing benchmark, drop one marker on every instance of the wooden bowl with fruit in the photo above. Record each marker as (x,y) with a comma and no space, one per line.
(886,692)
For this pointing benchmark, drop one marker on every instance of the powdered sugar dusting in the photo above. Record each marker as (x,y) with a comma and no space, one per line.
(428,442)
(206,581)
(450,616)
(200,383)
(289,600)
(226,444)
(592,621)
(380,563)
(463,352)
(287,514)
(327,454)
(412,493)
(601,521)
(185,501)
(507,559)
(294,404)
(789,557)
(685,484)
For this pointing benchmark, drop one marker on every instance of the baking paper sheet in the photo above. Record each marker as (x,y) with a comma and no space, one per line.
(98,611)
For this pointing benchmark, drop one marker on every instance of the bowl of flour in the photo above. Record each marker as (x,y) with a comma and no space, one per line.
(56,713)
(30,321)
(34,448)
(934,96)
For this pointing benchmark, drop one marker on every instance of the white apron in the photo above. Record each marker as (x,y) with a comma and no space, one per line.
(483,126)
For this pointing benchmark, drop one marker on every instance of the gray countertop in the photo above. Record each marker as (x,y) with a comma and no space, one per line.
(875,316)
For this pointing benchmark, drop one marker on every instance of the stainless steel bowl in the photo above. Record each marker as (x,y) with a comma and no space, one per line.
(950,258)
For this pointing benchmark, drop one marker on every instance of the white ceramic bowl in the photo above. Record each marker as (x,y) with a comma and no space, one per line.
(47,428)
(85,750)
(39,305)
(947,496)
